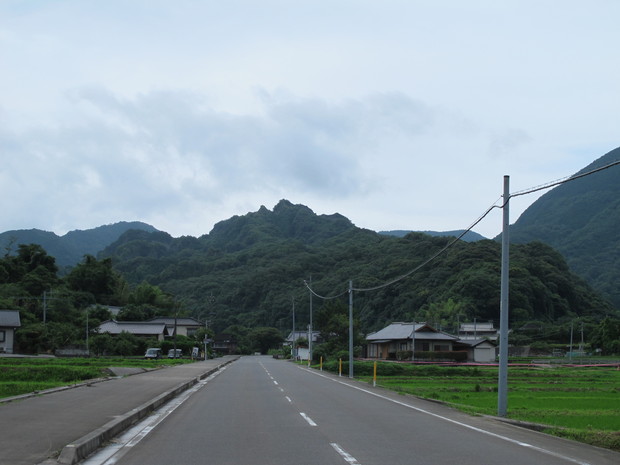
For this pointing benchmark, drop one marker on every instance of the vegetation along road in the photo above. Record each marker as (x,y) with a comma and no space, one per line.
(260,410)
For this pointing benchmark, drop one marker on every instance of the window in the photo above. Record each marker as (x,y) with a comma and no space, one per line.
(2,335)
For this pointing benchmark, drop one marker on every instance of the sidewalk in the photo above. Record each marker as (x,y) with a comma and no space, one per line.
(65,426)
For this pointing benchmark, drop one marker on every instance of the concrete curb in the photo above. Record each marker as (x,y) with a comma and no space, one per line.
(86,445)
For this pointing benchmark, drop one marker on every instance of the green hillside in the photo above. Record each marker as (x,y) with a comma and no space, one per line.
(255,265)
(581,220)
(70,248)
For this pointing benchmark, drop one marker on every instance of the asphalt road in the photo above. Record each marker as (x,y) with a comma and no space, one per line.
(264,411)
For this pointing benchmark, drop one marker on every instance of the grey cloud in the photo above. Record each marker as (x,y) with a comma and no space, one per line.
(133,158)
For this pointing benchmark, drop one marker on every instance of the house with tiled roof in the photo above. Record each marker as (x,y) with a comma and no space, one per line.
(137,328)
(160,327)
(185,326)
(9,322)
(399,337)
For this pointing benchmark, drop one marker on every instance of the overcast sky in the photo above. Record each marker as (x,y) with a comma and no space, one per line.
(396,114)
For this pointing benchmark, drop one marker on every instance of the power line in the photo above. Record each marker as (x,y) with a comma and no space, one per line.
(321,296)
(480,218)
(563,180)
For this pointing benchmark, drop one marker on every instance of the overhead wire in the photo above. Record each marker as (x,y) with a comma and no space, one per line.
(458,238)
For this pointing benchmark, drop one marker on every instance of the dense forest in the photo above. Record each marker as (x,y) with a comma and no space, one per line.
(69,249)
(580,219)
(251,269)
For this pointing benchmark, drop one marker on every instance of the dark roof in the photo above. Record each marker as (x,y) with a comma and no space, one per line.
(10,318)
(474,342)
(132,327)
(403,331)
(181,321)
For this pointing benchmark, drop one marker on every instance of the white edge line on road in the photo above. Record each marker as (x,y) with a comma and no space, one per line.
(344,454)
(464,425)
(308,419)
(115,451)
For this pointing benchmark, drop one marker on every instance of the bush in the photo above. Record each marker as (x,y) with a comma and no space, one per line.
(454,356)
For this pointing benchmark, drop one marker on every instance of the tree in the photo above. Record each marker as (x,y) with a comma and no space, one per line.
(127,344)
(332,321)
(98,278)
(607,336)
(262,339)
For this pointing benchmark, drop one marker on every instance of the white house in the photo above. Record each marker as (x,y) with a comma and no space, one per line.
(478,351)
(9,322)
(477,330)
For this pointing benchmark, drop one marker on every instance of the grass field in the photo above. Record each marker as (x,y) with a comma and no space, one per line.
(574,402)
(24,375)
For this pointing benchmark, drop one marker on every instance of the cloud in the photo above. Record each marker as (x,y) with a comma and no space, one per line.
(167,153)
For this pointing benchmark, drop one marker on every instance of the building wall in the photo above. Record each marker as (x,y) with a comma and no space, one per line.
(6,340)
(484,354)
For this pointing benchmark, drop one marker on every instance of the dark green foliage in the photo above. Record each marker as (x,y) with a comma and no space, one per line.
(607,336)
(263,339)
(580,219)
(98,278)
(70,248)
(255,265)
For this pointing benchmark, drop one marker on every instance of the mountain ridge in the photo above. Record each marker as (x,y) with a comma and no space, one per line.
(70,248)
(580,219)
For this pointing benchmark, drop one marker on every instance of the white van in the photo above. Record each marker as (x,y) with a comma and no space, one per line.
(153,352)
(171,354)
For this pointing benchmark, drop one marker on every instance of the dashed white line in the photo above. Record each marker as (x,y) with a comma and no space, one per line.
(344,454)
(308,419)
(465,425)
(289,399)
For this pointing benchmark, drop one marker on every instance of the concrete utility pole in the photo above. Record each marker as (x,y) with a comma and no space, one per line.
(413,341)
(350,329)
(293,354)
(502,389)
(310,328)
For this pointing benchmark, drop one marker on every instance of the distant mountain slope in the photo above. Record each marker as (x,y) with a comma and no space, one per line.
(71,248)
(470,236)
(255,265)
(581,219)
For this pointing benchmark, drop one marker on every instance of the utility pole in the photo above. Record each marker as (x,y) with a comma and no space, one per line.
(413,341)
(310,327)
(350,329)
(293,354)
(502,389)
(570,347)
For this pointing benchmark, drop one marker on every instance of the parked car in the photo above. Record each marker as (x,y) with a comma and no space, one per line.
(153,352)
(171,354)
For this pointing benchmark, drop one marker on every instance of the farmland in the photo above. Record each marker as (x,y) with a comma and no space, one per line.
(581,403)
(24,375)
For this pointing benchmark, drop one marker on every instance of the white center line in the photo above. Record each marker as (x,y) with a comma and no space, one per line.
(308,419)
(344,454)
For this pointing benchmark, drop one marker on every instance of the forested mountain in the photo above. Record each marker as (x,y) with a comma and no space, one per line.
(469,236)
(251,269)
(70,248)
(581,219)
